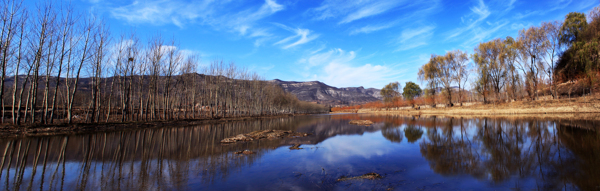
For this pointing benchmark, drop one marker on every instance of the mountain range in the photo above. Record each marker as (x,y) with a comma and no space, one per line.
(311,91)
(321,93)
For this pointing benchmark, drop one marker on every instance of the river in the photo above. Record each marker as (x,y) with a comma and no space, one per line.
(410,153)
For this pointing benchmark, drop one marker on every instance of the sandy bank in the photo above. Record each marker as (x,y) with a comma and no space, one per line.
(562,106)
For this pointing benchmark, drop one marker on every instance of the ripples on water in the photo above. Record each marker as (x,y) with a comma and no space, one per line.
(433,153)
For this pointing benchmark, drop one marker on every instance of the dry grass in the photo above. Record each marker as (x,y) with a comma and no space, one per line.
(559,106)
(361,122)
(589,121)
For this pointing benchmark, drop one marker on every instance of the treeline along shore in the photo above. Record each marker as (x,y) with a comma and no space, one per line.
(553,67)
(60,66)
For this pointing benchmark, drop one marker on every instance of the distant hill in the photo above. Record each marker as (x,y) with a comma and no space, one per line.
(313,91)
(319,92)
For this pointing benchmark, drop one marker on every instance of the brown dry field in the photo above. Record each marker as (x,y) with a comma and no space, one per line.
(574,109)
(583,112)
(556,106)
(589,121)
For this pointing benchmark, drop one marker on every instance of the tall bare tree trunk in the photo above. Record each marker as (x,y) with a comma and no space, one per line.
(88,32)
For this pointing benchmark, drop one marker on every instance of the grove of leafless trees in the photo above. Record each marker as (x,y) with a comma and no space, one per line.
(61,66)
(522,68)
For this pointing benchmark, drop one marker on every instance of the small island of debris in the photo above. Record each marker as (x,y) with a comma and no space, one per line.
(370,176)
(361,122)
(245,152)
(268,134)
(295,147)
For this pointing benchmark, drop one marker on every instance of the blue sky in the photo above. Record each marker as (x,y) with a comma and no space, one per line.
(342,43)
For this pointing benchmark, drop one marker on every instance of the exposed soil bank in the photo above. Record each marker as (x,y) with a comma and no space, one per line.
(368,176)
(589,121)
(266,134)
(361,122)
(578,105)
(61,129)
(295,147)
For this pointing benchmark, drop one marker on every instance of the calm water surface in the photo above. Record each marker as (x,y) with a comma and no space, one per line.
(433,153)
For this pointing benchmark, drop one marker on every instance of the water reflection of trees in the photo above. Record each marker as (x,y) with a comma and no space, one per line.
(413,133)
(392,133)
(146,159)
(555,156)
(448,153)
(579,161)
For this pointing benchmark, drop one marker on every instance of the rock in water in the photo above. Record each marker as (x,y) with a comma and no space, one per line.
(369,176)
(245,152)
(265,134)
(361,122)
(237,138)
(295,147)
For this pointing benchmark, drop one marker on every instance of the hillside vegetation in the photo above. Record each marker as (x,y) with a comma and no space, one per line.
(553,60)
(58,65)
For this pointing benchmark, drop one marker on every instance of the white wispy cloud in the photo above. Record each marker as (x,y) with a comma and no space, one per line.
(159,12)
(212,13)
(510,5)
(372,28)
(527,14)
(552,7)
(558,5)
(196,53)
(480,34)
(479,25)
(342,69)
(477,15)
(301,36)
(519,26)
(335,55)
(414,37)
(261,41)
(350,11)
(368,10)
(245,20)
(409,12)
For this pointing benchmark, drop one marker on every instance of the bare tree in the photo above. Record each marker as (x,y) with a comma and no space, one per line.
(173,61)
(68,56)
(532,46)
(460,68)
(101,39)
(12,19)
(488,57)
(511,53)
(553,51)
(40,47)
(66,32)
(84,55)
(155,58)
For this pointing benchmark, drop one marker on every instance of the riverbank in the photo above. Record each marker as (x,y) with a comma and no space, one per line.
(581,112)
(588,121)
(76,128)
(574,105)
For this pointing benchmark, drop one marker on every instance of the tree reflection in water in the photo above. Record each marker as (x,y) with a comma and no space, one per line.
(147,159)
(557,156)
(550,155)
(392,133)
(413,133)
(448,153)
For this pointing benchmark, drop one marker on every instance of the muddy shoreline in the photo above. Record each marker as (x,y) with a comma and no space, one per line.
(82,128)
(582,105)
(589,121)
